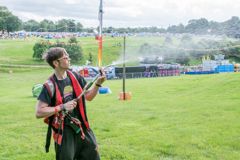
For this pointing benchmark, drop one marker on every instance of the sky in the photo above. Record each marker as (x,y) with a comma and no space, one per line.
(125,13)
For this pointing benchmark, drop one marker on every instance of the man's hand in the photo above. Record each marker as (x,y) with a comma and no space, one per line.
(101,78)
(70,105)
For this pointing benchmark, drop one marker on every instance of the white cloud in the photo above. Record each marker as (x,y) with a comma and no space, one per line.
(119,13)
(71,1)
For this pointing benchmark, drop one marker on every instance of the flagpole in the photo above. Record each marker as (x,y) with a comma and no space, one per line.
(100,16)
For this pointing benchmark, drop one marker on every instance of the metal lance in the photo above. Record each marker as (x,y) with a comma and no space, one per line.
(124,67)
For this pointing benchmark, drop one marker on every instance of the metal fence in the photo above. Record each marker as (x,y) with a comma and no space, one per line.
(160,73)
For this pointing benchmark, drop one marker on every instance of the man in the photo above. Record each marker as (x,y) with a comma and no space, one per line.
(64,113)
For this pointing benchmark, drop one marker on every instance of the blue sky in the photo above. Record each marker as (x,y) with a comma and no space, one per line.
(125,13)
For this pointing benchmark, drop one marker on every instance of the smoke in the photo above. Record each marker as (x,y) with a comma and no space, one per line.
(167,48)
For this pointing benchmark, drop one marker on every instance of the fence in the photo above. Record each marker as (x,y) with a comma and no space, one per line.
(160,73)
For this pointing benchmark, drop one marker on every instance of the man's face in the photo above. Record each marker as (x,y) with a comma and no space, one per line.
(64,62)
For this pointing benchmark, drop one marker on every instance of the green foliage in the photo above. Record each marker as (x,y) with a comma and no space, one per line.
(19,51)
(39,48)
(63,25)
(74,50)
(90,57)
(4,13)
(176,29)
(194,26)
(31,26)
(47,25)
(73,40)
(13,23)
(8,21)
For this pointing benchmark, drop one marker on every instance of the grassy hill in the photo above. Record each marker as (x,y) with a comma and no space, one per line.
(184,117)
(17,51)
(20,51)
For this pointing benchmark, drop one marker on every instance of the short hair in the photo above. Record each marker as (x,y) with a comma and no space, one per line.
(53,54)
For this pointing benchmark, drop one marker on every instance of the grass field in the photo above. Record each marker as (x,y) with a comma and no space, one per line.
(171,118)
(20,51)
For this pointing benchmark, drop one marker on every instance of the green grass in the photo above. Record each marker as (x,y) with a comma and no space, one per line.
(16,51)
(20,51)
(185,117)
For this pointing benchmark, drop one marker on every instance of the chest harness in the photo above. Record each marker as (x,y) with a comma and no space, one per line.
(56,121)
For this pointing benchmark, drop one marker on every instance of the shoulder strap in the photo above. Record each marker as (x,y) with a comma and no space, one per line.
(49,84)
(74,73)
(79,77)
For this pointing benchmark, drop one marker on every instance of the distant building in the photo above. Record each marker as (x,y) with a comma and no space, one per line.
(219,64)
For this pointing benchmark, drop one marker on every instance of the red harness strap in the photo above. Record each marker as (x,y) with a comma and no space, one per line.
(78,90)
(58,119)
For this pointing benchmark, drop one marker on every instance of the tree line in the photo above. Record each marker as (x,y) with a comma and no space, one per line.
(200,26)
(11,23)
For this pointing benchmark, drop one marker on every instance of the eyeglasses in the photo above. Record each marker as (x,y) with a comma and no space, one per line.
(64,58)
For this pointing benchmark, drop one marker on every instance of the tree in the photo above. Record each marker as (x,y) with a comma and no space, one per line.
(47,26)
(62,25)
(73,49)
(79,27)
(232,27)
(4,14)
(199,26)
(31,25)
(215,28)
(75,52)
(176,29)
(44,25)
(108,30)
(8,21)
(39,48)
(13,23)
(71,25)
(51,26)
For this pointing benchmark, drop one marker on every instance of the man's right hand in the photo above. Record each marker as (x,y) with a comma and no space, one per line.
(70,105)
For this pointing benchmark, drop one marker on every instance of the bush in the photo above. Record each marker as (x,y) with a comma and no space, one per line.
(73,40)
(39,48)
(73,49)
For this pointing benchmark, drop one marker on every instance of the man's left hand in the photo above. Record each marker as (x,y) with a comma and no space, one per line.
(101,78)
